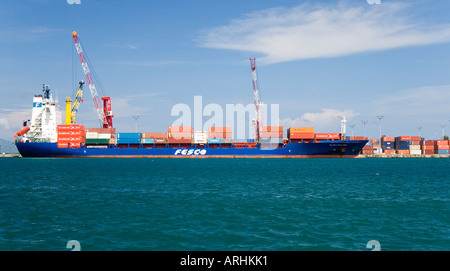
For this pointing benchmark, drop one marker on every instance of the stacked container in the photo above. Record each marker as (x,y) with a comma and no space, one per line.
(71,136)
(388,144)
(368,149)
(219,133)
(406,144)
(299,133)
(200,137)
(179,134)
(153,138)
(427,147)
(129,138)
(101,136)
(441,146)
(271,134)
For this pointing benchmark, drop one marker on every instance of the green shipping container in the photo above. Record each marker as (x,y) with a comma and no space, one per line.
(97,141)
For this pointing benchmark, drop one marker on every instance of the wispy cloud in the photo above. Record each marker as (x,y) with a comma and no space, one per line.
(324,120)
(324,30)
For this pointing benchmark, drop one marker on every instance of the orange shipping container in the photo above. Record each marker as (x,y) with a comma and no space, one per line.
(409,138)
(64,133)
(301,135)
(367,151)
(428,142)
(389,151)
(373,140)
(387,139)
(428,147)
(220,135)
(358,138)
(402,151)
(171,140)
(301,130)
(271,134)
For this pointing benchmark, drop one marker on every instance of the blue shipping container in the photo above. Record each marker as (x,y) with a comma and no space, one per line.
(128,141)
(214,140)
(443,152)
(128,135)
(148,140)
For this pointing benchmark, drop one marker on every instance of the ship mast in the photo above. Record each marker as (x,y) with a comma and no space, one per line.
(258,104)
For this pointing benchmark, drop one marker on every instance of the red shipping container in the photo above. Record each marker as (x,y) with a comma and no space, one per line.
(180,129)
(428,147)
(271,134)
(301,136)
(271,129)
(154,135)
(327,136)
(102,130)
(220,129)
(428,143)
(175,140)
(408,138)
(428,151)
(441,147)
(441,142)
(368,147)
(70,127)
(65,133)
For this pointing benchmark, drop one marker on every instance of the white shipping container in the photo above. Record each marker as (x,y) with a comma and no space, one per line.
(201,137)
(414,147)
(415,152)
(91,135)
(104,136)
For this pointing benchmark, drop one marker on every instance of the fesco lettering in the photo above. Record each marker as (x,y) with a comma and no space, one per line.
(190,152)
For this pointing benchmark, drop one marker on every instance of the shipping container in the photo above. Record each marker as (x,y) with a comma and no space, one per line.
(70,127)
(91,135)
(172,140)
(97,141)
(329,136)
(271,134)
(214,140)
(442,151)
(414,147)
(301,130)
(154,135)
(148,140)
(301,135)
(160,140)
(105,136)
(271,129)
(220,135)
(441,147)
(408,138)
(102,130)
(357,138)
(129,136)
(71,133)
(387,139)
(441,142)
(428,151)
(402,151)
(180,129)
(414,152)
(367,151)
(391,151)
(428,142)
(127,140)
(220,129)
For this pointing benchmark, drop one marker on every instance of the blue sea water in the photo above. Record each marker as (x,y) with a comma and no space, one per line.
(225,204)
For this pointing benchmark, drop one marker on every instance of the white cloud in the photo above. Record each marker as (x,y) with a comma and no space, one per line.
(324,30)
(326,120)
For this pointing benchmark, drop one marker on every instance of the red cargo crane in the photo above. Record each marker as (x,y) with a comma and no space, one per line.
(103,111)
(258,104)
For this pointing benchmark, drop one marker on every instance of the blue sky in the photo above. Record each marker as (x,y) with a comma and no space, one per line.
(318,60)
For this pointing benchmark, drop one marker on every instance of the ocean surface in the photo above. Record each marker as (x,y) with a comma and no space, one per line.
(225,204)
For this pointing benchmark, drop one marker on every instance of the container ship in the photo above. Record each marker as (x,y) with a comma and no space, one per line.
(44,137)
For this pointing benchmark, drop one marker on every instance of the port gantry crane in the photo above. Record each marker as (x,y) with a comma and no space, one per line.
(258,104)
(104,114)
(72,109)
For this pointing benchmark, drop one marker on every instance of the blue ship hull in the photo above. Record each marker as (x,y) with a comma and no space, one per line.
(324,149)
